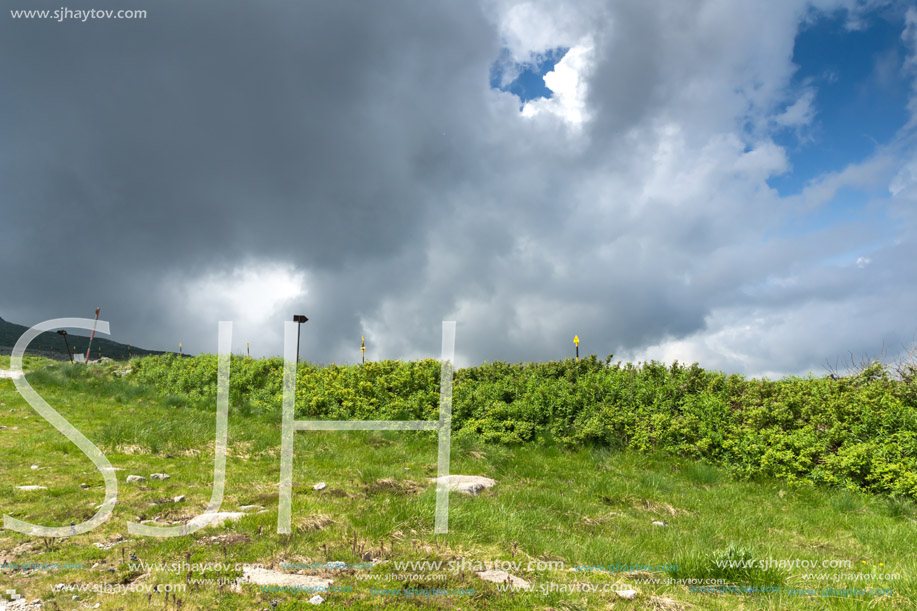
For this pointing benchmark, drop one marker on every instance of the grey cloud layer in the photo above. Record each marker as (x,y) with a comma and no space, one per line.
(361,144)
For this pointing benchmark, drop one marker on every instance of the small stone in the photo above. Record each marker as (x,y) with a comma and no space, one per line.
(658,523)
(31,488)
(216,519)
(316,600)
(34,467)
(497,576)
(159,476)
(135,479)
(268,577)
(628,594)
(84,486)
(319,486)
(179,498)
(466,484)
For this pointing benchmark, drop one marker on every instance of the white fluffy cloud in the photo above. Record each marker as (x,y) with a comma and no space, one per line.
(567,82)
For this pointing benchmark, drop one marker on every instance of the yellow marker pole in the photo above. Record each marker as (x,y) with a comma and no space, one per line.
(179,349)
(363,347)
(576,343)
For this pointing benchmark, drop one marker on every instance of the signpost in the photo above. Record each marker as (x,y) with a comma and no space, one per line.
(300,319)
(93,334)
(363,347)
(63,333)
(576,343)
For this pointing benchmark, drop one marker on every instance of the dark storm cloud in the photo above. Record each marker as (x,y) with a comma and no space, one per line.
(150,166)
(310,132)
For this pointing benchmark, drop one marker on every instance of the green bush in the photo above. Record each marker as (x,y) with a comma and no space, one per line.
(857,433)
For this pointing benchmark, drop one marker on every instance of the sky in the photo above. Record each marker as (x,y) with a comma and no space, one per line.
(725,182)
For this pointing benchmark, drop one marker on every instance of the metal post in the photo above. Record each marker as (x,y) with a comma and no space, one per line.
(66,343)
(300,319)
(93,334)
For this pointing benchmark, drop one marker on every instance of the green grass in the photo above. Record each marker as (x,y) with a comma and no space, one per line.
(581,505)
(29,362)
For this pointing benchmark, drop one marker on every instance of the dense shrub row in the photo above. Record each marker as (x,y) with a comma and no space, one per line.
(855,432)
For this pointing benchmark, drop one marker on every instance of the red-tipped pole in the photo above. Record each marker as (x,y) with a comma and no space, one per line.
(93,334)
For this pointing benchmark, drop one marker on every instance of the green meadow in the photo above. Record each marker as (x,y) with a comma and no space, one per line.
(695,489)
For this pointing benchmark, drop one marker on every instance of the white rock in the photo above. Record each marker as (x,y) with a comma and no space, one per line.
(247,507)
(84,486)
(467,484)
(179,498)
(498,576)
(316,600)
(628,594)
(268,577)
(135,478)
(319,486)
(216,519)
(30,488)
(34,467)
(658,523)
(159,476)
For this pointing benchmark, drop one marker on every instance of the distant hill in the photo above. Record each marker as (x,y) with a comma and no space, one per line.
(51,344)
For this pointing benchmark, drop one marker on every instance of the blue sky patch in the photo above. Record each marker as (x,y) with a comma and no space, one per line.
(525,80)
(861,94)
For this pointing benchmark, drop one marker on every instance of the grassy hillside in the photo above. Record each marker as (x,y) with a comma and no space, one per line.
(556,501)
(50,343)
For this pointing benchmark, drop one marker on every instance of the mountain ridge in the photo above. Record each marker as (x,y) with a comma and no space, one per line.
(52,345)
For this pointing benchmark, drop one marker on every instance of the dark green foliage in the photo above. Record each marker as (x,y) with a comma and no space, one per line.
(858,432)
